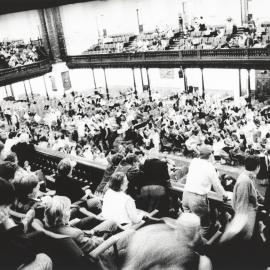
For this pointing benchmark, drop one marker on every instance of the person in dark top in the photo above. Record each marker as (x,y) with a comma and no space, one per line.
(155,185)
(23,149)
(65,185)
(16,248)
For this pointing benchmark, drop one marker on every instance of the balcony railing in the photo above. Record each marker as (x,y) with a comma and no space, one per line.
(12,75)
(220,58)
(91,173)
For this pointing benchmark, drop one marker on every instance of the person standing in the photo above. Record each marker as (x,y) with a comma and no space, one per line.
(201,177)
(245,195)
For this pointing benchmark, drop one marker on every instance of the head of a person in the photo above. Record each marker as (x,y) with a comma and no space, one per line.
(116,159)
(26,186)
(57,211)
(132,159)
(252,164)
(118,182)
(188,229)
(64,167)
(8,169)
(205,151)
(12,157)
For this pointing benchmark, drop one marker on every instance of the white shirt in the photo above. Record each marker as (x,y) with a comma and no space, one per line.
(119,207)
(201,177)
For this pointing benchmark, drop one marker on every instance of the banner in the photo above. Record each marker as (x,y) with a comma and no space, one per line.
(66,80)
(167,73)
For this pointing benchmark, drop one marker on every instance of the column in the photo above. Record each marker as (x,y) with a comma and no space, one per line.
(11,90)
(149,85)
(245,11)
(52,33)
(25,90)
(248,83)
(47,94)
(203,88)
(134,81)
(6,91)
(106,85)
(185,80)
(240,84)
(94,79)
(142,79)
(31,90)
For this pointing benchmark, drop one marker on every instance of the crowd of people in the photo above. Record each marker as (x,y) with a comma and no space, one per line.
(18,53)
(60,227)
(199,35)
(92,127)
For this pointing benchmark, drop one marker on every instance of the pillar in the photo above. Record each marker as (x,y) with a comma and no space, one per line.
(25,90)
(94,79)
(203,88)
(31,89)
(46,89)
(149,85)
(52,33)
(134,81)
(248,83)
(6,91)
(11,90)
(240,84)
(106,85)
(185,81)
(142,79)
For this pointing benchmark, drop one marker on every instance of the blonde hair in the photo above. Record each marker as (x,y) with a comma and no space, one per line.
(57,211)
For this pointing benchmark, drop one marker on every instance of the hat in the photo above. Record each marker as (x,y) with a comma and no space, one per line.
(205,151)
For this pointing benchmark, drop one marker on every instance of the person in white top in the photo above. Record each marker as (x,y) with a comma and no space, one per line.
(117,205)
(201,177)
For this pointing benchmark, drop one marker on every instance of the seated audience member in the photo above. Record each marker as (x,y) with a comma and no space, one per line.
(134,176)
(23,149)
(168,247)
(8,170)
(201,177)
(57,216)
(117,205)
(16,249)
(113,163)
(65,185)
(155,184)
(27,192)
(245,195)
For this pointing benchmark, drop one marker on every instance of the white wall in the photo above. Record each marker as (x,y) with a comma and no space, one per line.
(20,25)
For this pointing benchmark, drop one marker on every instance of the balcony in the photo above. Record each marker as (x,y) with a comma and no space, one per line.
(258,58)
(12,75)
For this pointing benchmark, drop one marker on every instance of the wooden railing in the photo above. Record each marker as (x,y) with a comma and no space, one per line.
(12,75)
(91,173)
(223,58)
